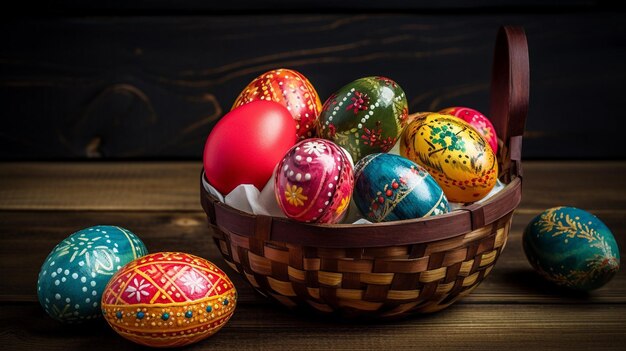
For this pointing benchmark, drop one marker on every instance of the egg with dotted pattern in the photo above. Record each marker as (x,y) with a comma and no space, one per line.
(168,299)
(314,182)
(454,153)
(73,276)
(571,248)
(365,116)
(389,187)
(291,89)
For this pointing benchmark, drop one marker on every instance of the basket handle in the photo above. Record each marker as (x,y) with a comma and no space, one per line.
(510,83)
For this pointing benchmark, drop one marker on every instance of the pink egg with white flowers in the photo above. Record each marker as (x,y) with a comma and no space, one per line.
(314,182)
(477,120)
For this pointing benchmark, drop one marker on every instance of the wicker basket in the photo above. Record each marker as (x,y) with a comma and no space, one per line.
(396,268)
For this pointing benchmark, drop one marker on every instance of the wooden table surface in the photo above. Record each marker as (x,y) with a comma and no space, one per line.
(41,203)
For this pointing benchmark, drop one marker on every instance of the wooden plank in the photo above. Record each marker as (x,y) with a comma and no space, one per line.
(594,186)
(27,237)
(161,186)
(462,327)
(101,186)
(152,87)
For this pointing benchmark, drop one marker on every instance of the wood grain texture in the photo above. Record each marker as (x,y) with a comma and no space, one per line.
(25,243)
(461,327)
(512,309)
(174,186)
(152,87)
(101,186)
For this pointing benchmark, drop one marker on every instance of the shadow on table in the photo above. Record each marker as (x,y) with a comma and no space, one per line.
(530,283)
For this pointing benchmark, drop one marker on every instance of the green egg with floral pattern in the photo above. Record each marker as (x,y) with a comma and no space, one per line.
(571,248)
(364,117)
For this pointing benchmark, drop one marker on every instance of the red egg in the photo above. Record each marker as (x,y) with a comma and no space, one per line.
(292,90)
(246,144)
(476,120)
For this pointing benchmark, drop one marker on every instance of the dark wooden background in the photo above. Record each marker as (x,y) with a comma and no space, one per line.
(148,80)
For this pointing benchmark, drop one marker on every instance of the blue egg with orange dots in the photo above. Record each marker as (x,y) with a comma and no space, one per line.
(73,276)
(390,187)
(571,248)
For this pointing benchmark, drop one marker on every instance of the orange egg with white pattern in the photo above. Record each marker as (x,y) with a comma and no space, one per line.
(168,299)
(291,89)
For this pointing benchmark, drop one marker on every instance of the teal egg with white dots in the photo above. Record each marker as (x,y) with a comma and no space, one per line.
(572,248)
(73,276)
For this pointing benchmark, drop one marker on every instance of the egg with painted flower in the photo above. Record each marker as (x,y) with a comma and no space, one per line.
(365,116)
(168,299)
(572,248)
(476,120)
(454,153)
(73,276)
(390,187)
(314,182)
(291,89)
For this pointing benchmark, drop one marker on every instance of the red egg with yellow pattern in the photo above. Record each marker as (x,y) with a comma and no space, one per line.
(168,299)
(291,89)
(314,182)
(477,120)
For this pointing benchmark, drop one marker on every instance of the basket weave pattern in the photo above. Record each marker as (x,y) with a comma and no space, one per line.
(389,280)
(389,269)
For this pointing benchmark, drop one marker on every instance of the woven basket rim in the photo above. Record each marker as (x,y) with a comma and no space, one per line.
(346,235)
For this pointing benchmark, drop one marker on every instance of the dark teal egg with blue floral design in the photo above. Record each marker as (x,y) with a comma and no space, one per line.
(390,187)
(74,275)
(571,248)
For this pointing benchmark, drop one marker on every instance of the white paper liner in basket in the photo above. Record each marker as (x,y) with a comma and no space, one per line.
(247,198)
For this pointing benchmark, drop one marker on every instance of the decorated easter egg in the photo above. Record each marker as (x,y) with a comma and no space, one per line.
(168,299)
(478,121)
(364,117)
(73,277)
(246,144)
(314,182)
(571,248)
(390,187)
(290,89)
(454,153)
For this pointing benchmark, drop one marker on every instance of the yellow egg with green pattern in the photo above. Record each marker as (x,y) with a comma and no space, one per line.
(454,153)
